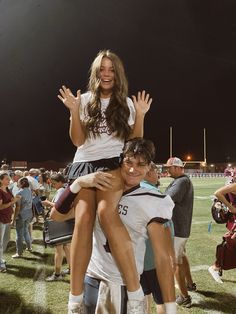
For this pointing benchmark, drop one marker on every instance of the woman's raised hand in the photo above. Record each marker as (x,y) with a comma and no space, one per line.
(68,99)
(142,102)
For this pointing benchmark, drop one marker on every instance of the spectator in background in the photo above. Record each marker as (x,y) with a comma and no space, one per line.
(17,174)
(34,185)
(42,170)
(148,279)
(181,191)
(6,210)
(13,187)
(5,168)
(44,187)
(26,173)
(229,173)
(227,195)
(22,217)
(58,182)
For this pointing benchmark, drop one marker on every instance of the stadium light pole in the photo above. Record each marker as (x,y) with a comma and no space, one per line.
(171,143)
(204,146)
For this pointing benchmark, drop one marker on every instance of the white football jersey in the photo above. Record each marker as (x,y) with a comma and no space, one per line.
(137,208)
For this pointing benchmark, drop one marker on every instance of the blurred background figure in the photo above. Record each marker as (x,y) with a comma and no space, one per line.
(44,187)
(6,210)
(5,168)
(181,192)
(22,217)
(58,181)
(227,195)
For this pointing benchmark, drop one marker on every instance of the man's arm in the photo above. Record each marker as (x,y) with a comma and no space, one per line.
(177,190)
(163,251)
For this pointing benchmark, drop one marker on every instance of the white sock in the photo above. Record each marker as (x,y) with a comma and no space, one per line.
(136,295)
(76,298)
(75,187)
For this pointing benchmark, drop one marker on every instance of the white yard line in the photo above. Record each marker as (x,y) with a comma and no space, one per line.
(199,267)
(40,298)
(210,197)
(201,222)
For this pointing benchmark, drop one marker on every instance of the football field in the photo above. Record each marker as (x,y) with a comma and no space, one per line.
(23,288)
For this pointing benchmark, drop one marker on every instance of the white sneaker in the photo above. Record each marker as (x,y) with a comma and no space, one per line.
(215,274)
(54,277)
(17,255)
(76,308)
(136,307)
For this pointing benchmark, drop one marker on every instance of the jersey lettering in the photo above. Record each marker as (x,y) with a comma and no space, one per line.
(107,247)
(123,209)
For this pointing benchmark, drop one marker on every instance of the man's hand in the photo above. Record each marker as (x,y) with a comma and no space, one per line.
(46,203)
(100,180)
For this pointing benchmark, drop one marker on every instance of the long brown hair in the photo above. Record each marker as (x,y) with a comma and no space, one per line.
(117,112)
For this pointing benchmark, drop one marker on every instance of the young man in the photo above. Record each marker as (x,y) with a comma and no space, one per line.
(143,212)
(181,191)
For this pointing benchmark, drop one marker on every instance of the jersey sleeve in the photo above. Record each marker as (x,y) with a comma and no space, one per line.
(58,194)
(160,208)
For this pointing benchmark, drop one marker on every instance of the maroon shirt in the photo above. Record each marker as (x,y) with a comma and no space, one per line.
(6,213)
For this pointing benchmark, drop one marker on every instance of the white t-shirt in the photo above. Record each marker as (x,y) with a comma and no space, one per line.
(136,209)
(106,145)
(34,184)
(58,194)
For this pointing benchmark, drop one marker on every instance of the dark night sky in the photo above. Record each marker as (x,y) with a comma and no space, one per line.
(183,52)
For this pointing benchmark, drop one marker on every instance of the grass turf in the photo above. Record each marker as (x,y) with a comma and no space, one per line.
(23,288)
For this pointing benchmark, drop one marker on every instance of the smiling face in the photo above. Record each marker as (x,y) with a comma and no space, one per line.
(133,170)
(107,77)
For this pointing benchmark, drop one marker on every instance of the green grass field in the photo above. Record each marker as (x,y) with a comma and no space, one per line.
(24,290)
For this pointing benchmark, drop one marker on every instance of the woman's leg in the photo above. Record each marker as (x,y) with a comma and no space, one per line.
(27,236)
(81,244)
(66,248)
(116,233)
(2,232)
(19,236)
(58,258)
(7,236)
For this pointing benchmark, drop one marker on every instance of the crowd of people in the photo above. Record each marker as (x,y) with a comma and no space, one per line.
(129,239)
(18,190)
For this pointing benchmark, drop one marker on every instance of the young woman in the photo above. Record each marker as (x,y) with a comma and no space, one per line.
(58,182)
(23,216)
(101,120)
(6,210)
